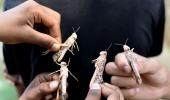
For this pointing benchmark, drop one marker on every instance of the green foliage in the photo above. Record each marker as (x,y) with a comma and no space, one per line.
(1,4)
(7,91)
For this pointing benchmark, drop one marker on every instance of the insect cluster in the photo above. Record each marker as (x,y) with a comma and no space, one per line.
(68,45)
(101,61)
(99,64)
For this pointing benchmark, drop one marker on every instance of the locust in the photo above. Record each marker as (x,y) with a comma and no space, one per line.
(99,67)
(64,73)
(132,60)
(68,45)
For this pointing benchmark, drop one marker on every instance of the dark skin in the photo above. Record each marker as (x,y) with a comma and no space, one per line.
(44,85)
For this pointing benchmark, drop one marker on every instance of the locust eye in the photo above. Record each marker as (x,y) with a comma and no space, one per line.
(103,53)
(63,63)
(126,48)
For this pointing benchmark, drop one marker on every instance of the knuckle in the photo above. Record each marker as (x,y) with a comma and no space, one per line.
(118,56)
(33,7)
(120,60)
(41,88)
(155,62)
(40,77)
(58,15)
(132,93)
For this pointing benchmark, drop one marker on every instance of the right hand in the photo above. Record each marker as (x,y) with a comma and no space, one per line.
(17,25)
(109,91)
(155,78)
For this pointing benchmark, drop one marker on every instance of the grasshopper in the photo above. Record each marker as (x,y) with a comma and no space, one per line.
(68,45)
(64,73)
(132,60)
(99,65)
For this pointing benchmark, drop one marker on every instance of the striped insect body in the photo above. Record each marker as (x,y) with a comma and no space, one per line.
(132,60)
(99,68)
(64,73)
(68,45)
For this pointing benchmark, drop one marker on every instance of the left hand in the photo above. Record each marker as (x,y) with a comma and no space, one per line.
(43,85)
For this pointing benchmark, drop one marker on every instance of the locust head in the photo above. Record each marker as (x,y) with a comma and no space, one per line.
(126,48)
(63,64)
(103,53)
(74,36)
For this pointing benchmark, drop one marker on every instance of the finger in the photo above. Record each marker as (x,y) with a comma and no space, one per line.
(55,77)
(143,65)
(130,93)
(46,88)
(122,62)
(45,77)
(42,40)
(94,92)
(112,69)
(51,19)
(107,89)
(127,82)
(114,96)
(112,92)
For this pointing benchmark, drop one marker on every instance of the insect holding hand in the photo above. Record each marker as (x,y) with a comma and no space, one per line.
(68,45)
(99,65)
(64,73)
(132,60)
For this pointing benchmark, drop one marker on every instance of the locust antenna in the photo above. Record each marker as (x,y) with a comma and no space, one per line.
(76,30)
(109,47)
(126,41)
(118,44)
(122,44)
(68,62)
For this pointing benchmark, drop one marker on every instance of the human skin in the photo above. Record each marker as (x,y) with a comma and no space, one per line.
(42,86)
(17,25)
(155,77)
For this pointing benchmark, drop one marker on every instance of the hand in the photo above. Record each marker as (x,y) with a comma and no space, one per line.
(109,91)
(17,25)
(41,87)
(154,76)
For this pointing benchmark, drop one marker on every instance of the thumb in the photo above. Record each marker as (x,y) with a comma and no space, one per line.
(44,40)
(94,92)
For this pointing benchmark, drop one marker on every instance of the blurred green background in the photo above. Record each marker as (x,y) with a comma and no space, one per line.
(1,56)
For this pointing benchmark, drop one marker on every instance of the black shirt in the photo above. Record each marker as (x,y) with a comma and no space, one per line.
(102,22)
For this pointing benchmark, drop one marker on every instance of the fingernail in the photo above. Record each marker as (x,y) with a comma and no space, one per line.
(95,86)
(55,47)
(53,84)
(126,69)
